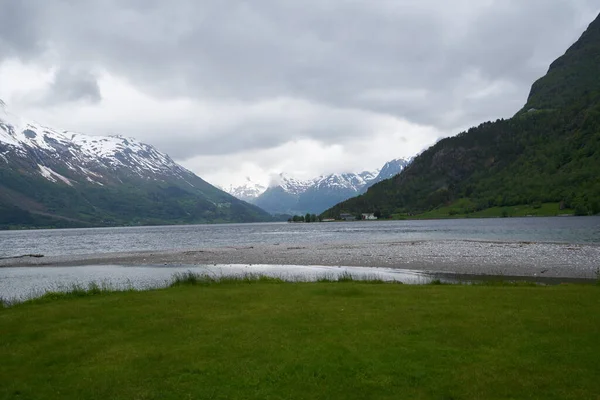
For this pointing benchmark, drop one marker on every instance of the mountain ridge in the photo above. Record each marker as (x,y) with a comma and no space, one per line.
(288,195)
(51,178)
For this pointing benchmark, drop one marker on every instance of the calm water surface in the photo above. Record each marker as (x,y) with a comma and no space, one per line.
(582,230)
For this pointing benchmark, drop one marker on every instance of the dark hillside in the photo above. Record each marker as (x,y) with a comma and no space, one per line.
(550,154)
(571,75)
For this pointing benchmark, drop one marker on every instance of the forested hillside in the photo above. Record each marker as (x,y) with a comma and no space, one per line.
(548,152)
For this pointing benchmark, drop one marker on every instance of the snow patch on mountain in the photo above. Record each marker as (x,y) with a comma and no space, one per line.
(293,185)
(248,191)
(82,154)
(53,176)
(349,181)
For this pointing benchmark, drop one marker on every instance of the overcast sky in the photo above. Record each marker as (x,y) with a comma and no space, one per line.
(251,88)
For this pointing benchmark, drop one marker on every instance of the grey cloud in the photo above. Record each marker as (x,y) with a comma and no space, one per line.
(238,128)
(67,86)
(19,35)
(70,85)
(410,59)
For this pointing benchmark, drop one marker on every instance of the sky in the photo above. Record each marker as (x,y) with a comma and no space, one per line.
(233,89)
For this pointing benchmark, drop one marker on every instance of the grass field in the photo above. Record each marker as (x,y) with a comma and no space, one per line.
(268,340)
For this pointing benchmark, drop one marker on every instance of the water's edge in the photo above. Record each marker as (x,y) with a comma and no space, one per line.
(19,284)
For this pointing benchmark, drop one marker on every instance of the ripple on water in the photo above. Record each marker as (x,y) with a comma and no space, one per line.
(132,239)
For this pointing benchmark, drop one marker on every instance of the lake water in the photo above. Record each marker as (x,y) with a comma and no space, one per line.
(443,241)
(575,230)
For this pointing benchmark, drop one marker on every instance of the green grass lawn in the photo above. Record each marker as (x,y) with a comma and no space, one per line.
(306,341)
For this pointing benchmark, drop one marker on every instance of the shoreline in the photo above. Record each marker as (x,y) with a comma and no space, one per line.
(417,217)
(511,259)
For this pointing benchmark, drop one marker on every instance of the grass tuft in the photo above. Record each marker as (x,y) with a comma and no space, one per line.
(190,278)
(76,291)
(501,282)
(4,303)
(347,277)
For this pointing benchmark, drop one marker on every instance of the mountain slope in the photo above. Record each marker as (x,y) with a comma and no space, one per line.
(328,190)
(282,198)
(62,179)
(548,152)
(389,170)
(293,196)
(571,75)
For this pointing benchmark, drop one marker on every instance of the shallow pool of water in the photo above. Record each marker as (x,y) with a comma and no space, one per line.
(21,283)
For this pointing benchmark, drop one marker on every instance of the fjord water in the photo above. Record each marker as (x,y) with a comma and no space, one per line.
(572,230)
(484,244)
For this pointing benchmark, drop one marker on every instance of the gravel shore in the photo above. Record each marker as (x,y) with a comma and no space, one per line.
(524,259)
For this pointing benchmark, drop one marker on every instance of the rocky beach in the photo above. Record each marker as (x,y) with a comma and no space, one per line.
(526,259)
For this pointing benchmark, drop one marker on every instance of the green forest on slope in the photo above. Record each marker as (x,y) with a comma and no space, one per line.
(549,152)
(34,202)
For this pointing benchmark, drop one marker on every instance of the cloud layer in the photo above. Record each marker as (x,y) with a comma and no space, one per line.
(237,82)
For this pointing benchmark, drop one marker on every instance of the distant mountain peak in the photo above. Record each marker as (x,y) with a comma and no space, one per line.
(392,168)
(287,195)
(290,184)
(249,191)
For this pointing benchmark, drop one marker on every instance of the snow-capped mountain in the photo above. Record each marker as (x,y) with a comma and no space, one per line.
(293,196)
(249,191)
(391,169)
(292,185)
(88,157)
(350,181)
(61,178)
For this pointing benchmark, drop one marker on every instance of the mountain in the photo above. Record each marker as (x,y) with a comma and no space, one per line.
(571,75)
(389,170)
(332,189)
(249,191)
(292,196)
(548,152)
(64,179)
